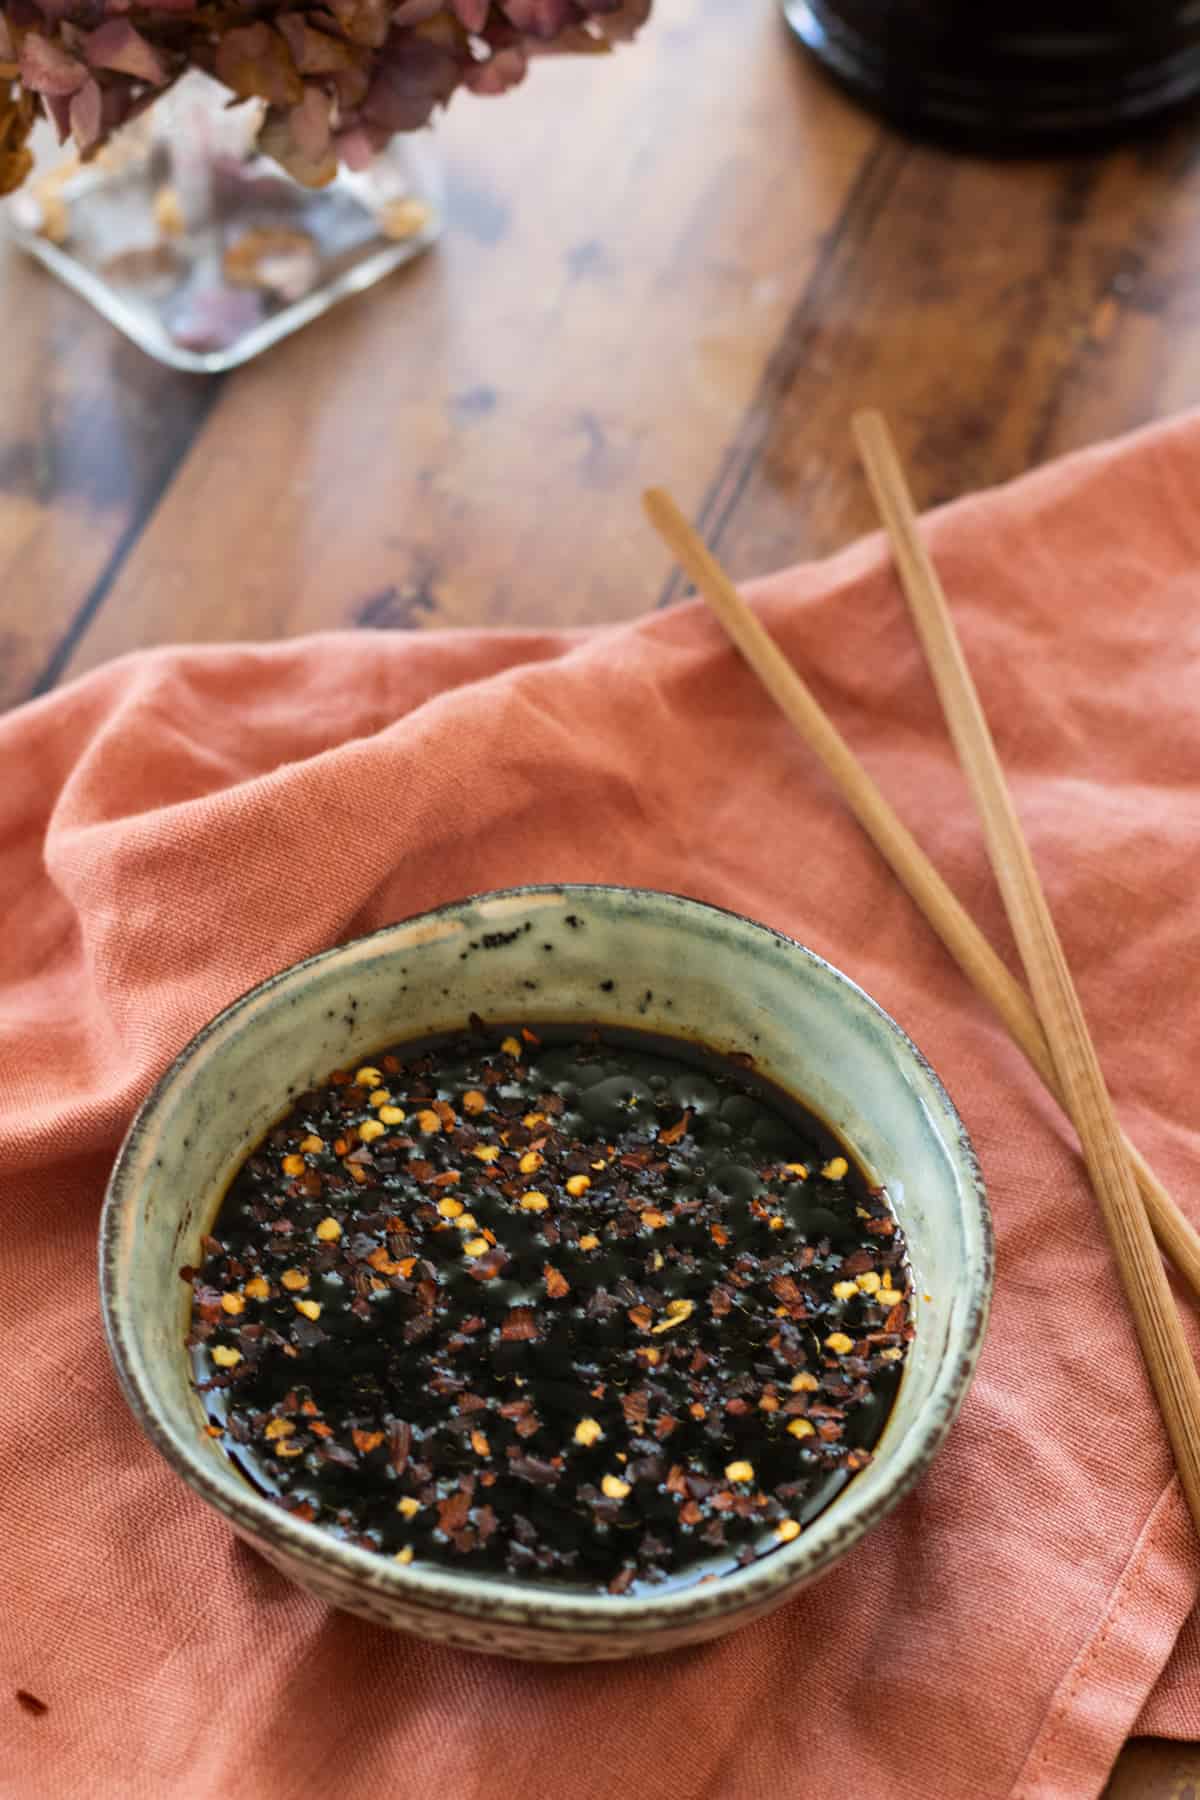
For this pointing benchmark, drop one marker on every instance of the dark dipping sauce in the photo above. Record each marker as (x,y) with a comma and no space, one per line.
(603,1308)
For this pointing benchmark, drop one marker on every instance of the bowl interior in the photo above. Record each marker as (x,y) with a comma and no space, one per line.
(607,955)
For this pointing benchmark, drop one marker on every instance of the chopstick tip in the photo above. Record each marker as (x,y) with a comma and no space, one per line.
(657,504)
(868,422)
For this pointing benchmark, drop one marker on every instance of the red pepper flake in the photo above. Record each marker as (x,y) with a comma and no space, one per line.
(402,1275)
(674,1132)
(452,1512)
(399,1444)
(857,1263)
(636,1407)
(485,1518)
(488,1266)
(519,1325)
(536,1469)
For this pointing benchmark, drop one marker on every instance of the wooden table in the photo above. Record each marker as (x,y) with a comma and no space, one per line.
(687,266)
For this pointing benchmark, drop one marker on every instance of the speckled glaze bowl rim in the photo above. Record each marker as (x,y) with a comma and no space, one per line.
(544,1606)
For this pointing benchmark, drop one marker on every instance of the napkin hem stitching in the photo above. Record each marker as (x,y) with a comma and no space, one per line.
(1165,1517)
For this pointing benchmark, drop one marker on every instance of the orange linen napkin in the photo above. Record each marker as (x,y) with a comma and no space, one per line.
(180,824)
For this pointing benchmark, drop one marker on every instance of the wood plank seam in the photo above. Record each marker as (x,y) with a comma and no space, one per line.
(872,187)
(96,595)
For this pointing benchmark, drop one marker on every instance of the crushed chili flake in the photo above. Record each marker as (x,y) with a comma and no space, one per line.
(722,1277)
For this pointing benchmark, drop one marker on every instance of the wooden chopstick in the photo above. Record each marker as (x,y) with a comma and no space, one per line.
(1164,1346)
(900,850)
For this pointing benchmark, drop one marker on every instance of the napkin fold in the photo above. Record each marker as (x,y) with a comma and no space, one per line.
(181,823)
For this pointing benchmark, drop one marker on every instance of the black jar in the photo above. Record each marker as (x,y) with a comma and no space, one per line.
(1009,74)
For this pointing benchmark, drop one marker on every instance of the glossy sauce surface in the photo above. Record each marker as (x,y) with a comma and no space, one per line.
(611,1310)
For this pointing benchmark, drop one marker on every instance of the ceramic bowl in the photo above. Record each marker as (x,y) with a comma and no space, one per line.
(616,956)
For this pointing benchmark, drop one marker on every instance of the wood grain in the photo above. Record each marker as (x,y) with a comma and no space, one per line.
(1151,1769)
(91,433)
(1002,312)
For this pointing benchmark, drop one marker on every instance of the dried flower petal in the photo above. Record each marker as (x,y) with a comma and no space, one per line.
(48,69)
(254,62)
(301,141)
(500,72)
(472,13)
(87,115)
(362,21)
(339,81)
(540,18)
(117,45)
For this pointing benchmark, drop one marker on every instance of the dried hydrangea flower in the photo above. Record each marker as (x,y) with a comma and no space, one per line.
(338,80)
